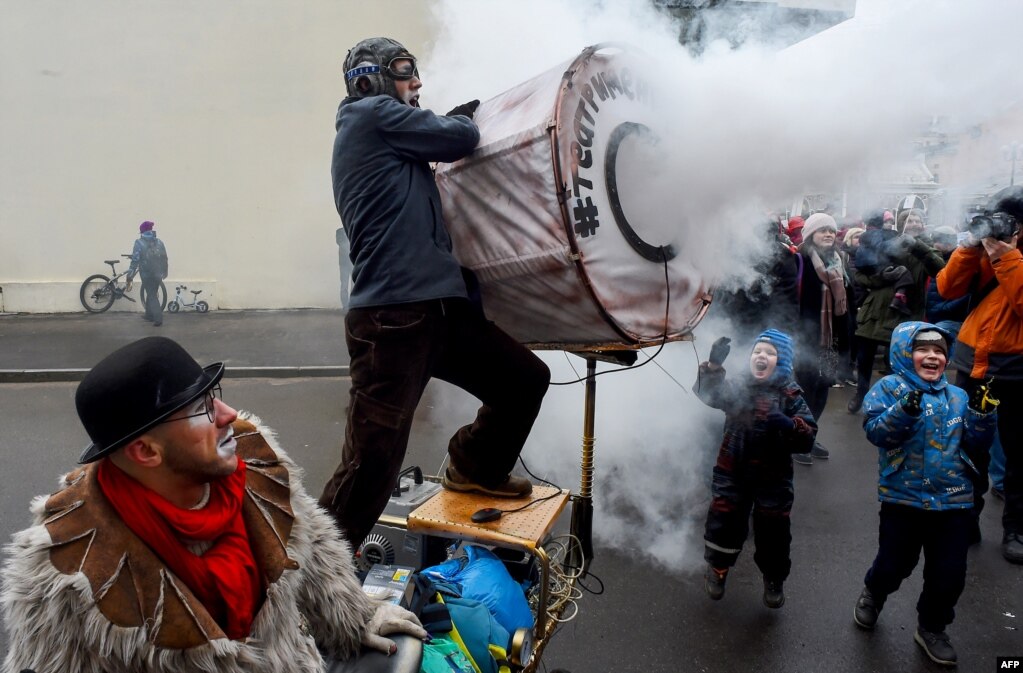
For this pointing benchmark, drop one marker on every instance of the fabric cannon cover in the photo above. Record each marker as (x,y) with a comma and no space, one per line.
(551,213)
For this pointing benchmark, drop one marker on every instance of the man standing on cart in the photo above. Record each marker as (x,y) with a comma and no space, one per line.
(411,316)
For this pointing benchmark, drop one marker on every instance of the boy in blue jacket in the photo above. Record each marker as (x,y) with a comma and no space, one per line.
(929,434)
(766,421)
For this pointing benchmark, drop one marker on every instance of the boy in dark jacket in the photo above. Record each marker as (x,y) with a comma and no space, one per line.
(766,421)
(929,434)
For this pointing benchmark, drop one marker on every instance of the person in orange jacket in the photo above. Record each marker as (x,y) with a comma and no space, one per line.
(989,349)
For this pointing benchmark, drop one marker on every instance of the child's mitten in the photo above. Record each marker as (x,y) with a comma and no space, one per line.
(719,351)
(911,402)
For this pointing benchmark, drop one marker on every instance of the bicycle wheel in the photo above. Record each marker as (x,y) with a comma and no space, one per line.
(97,293)
(173,307)
(202,307)
(161,293)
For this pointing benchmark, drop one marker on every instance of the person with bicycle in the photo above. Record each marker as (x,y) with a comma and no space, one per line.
(411,317)
(149,260)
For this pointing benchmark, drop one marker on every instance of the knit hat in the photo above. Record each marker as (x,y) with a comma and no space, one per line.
(783,344)
(146,226)
(816,222)
(930,337)
(875,219)
(900,224)
(796,222)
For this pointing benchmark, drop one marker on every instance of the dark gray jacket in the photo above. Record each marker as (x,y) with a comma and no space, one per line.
(385,192)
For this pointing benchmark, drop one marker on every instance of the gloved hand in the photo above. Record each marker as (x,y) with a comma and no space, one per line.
(892,273)
(981,400)
(902,243)
(465,109)
(911,402)
(776,420)
(390,618)
(719,351)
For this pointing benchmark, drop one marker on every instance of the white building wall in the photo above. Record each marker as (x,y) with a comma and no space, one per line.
(213,119)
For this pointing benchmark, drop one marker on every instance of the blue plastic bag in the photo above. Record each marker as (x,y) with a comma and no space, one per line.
(480,575)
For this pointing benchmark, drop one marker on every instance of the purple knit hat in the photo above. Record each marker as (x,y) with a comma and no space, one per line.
(146,226)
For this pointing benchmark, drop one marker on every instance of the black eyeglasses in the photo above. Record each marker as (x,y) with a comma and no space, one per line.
(209,408)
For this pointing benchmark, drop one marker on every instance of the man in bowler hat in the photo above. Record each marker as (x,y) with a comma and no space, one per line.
(184,542)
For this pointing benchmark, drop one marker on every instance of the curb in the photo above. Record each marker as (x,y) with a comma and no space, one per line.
(52,375)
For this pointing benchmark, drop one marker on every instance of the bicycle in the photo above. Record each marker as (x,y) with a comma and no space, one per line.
(178,303)
(99,291)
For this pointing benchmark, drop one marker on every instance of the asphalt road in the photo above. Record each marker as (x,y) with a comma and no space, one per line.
(652,616)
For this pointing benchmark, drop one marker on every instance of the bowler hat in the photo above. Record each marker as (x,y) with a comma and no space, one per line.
(135,388)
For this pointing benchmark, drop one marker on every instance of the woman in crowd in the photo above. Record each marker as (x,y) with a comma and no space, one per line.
(823,312)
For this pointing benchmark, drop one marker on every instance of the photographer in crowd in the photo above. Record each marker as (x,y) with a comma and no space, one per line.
(988,265)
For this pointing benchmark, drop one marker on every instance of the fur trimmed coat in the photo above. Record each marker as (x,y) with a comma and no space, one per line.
(81,593)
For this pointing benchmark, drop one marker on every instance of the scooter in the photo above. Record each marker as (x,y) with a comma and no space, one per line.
(178,302)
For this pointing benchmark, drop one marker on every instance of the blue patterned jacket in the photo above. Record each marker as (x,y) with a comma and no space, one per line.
(923,459)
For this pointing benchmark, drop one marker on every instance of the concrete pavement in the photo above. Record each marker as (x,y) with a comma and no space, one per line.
(266,343)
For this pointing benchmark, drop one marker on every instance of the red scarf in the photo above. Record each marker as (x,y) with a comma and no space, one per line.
(225,579)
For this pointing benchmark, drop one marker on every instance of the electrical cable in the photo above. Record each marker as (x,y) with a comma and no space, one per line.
(699,381)
(664,335)
(494,513)
(666,373)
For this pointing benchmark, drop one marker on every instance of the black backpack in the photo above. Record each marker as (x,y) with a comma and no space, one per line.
(153,258)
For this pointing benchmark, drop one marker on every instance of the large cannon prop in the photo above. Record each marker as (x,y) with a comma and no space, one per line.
(552,212)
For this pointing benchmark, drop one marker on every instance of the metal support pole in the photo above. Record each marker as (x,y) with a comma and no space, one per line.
(582,506)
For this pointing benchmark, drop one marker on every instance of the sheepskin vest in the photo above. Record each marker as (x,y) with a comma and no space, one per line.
(112,605)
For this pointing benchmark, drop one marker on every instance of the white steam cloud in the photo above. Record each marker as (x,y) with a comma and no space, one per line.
(744,132)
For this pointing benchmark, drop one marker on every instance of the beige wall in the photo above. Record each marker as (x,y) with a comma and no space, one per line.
(213,119)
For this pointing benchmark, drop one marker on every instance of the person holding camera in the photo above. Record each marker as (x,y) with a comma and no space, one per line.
(988,265)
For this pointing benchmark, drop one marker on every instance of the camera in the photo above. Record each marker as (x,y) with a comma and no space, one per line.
(1001,226)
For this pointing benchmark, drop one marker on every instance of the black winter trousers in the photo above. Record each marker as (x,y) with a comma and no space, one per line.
(944,538)
(151,288)
(865,354)
(815,388)
(768,494)
(395,351)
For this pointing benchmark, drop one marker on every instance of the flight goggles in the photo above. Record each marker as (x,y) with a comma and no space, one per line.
(406,71)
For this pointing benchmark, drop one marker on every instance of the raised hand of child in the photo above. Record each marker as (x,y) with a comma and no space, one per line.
(911,402)
(776,420)
(719,351)
(981,400)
